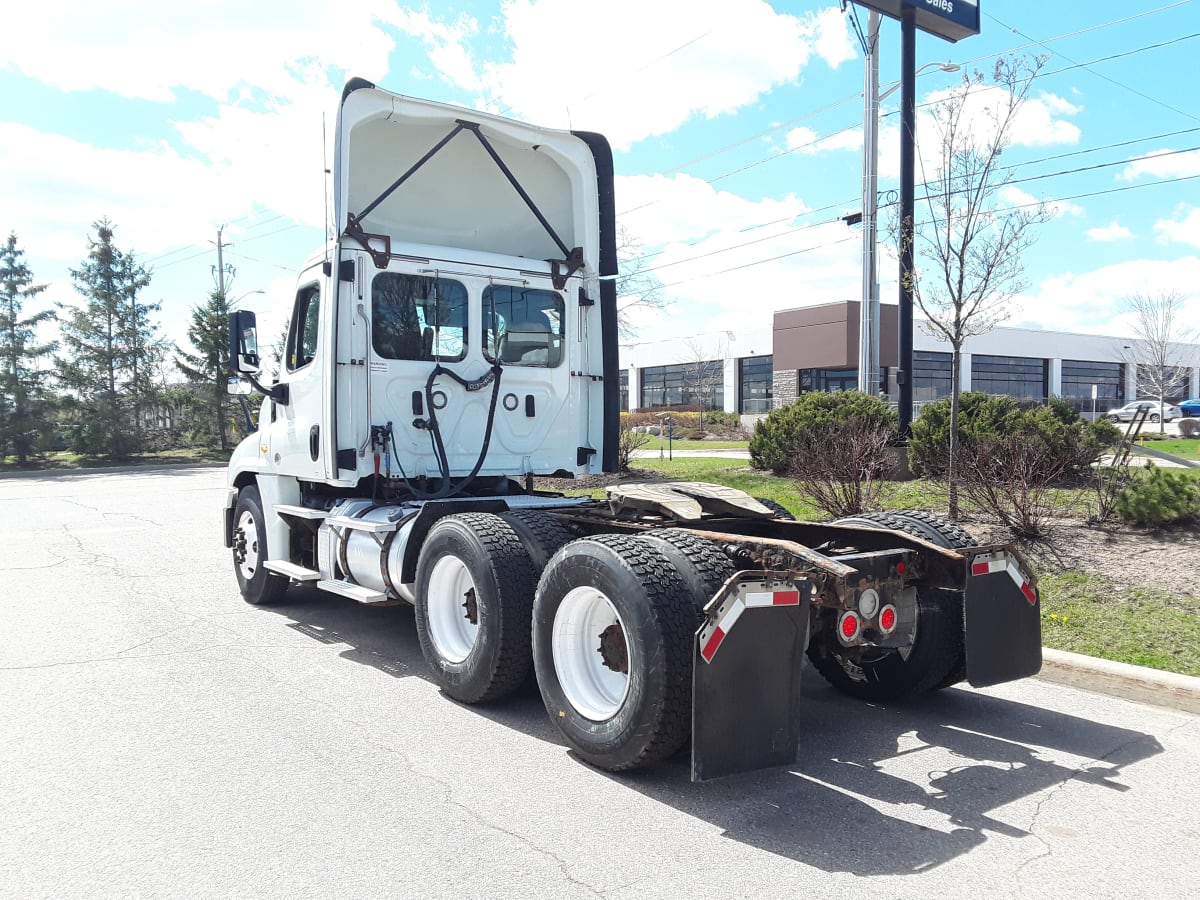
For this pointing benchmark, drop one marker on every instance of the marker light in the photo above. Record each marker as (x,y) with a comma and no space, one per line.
(868,603)
(887,619)
(849,625)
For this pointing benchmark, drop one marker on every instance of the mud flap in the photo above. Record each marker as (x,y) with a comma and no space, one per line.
(1003,619)
(746,679)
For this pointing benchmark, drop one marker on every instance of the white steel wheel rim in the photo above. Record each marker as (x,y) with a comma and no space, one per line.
(592,688)
(451,589)
(248,564)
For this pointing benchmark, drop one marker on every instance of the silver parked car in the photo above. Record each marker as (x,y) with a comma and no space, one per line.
(1126,413)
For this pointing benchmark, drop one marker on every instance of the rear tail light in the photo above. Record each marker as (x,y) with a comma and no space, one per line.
(887,619)
(849,626)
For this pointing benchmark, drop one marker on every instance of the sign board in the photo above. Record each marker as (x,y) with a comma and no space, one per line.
(952,20)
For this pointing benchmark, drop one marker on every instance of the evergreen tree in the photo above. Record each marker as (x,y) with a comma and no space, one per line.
(208,367)
(24,401)
(110,344)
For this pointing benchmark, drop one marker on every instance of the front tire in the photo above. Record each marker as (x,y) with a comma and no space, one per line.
(259,586)
(474,594)
(613,626)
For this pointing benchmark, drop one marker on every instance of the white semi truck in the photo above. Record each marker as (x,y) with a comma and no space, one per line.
(456,341)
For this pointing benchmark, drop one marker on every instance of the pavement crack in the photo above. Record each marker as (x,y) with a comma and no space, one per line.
(447,789)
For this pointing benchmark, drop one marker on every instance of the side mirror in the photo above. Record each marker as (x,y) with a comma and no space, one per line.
(243,343)
(236,387)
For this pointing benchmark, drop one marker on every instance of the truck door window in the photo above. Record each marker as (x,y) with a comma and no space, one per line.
(522,326)
(418,317)
(302,335)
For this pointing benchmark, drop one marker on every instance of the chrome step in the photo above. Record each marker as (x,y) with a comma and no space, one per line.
(291,570)
(353,591)
(300,512)
(362,525)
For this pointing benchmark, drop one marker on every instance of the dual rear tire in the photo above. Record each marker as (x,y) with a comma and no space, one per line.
(609,627)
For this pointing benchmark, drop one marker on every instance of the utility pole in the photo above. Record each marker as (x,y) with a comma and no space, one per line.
(868,358)
(219,272)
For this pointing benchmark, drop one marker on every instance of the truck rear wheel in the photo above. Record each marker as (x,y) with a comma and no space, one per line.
(259,586)
(936,658)
(613,625)
(540,533)
(703,567)
(474,594)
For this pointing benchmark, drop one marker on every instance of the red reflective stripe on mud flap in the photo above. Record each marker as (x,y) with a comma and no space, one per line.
(714,641)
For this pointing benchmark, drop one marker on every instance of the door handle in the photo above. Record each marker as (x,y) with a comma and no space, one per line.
(314,442)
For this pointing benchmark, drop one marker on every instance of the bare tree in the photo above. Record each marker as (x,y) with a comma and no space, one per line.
(842,466)
(704,373)
(968,248)
(1163,346)
(638,287)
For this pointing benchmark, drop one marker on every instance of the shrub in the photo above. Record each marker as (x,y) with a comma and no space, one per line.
(833,445)
(1159,497)
(628,440)
(1067,443)
(777,442)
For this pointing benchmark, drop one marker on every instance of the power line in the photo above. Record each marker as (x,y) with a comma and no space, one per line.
(1088,65)
(759,262)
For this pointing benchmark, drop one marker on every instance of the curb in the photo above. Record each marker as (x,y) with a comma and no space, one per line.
(1137,683)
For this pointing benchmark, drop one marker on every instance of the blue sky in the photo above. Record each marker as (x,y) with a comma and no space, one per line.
(736,126)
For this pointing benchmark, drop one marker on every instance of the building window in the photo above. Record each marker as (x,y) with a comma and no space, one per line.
(1078,376)
(828,380)
(932,375)
(623,388)
(755,376)
(1020,377)
(685,384)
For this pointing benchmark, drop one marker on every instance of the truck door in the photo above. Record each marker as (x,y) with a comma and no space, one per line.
(297,441)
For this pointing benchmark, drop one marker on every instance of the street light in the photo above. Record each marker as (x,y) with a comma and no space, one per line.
(868,359)
(233,303)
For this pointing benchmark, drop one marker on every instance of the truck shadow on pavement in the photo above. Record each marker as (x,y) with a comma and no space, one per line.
(876,789)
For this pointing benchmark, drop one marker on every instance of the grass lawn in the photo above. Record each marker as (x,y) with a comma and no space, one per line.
(1085,614)
(653,444)
(67,460)
(1184,448)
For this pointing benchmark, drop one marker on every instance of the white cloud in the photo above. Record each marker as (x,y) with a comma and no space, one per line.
(725,54)
(734,261)
(1037,122)
(447,43)
(1057,105)
(1011,196)
(805,140)
(1113,231)
(1090,302)
(1183,228)
(149,50)
(49,184)
(1163,164)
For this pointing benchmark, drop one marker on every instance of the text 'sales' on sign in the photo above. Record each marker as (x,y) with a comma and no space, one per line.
(949,19)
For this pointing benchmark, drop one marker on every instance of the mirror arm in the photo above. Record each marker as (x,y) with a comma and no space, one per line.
(277,392)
